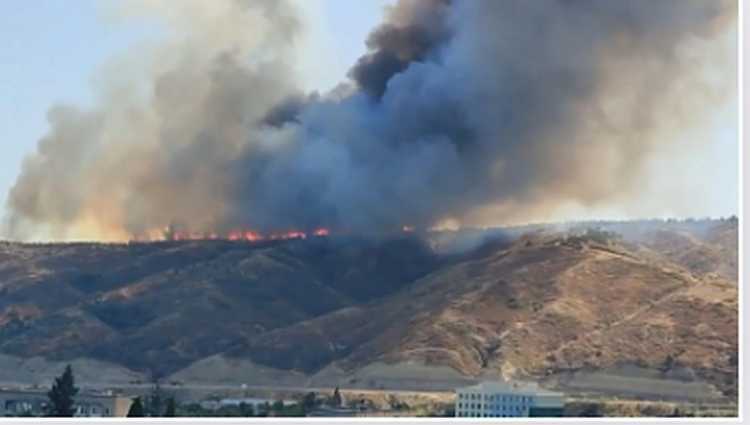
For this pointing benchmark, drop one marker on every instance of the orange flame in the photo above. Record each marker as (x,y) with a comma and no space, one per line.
(321,232)
(234,235)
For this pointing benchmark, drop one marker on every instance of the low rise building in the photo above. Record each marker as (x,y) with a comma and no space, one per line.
(36,403)
(257,403)
(501,400)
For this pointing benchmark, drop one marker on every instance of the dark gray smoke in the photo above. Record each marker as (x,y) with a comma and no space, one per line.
(414,31)
(459,110)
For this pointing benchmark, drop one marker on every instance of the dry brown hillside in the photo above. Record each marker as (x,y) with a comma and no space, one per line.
(647,308)
(550,304)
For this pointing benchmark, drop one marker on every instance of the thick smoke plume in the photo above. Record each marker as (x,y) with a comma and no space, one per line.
(459,110)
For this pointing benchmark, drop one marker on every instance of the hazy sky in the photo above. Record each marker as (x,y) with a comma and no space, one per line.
(52,50)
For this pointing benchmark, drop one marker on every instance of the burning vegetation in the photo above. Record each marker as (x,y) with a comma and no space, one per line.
(173,234)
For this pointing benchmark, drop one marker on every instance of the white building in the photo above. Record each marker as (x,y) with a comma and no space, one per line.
(501,400)
(36,403)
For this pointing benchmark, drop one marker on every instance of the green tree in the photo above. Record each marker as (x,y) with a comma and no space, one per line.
(136,409)
(336,399)
(62,393)
(171,410)
(309,401)
(263,409)
(277,406)
(153,406)
(247,409)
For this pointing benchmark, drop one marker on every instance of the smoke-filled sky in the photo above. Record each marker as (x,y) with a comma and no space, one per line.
(275,116)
